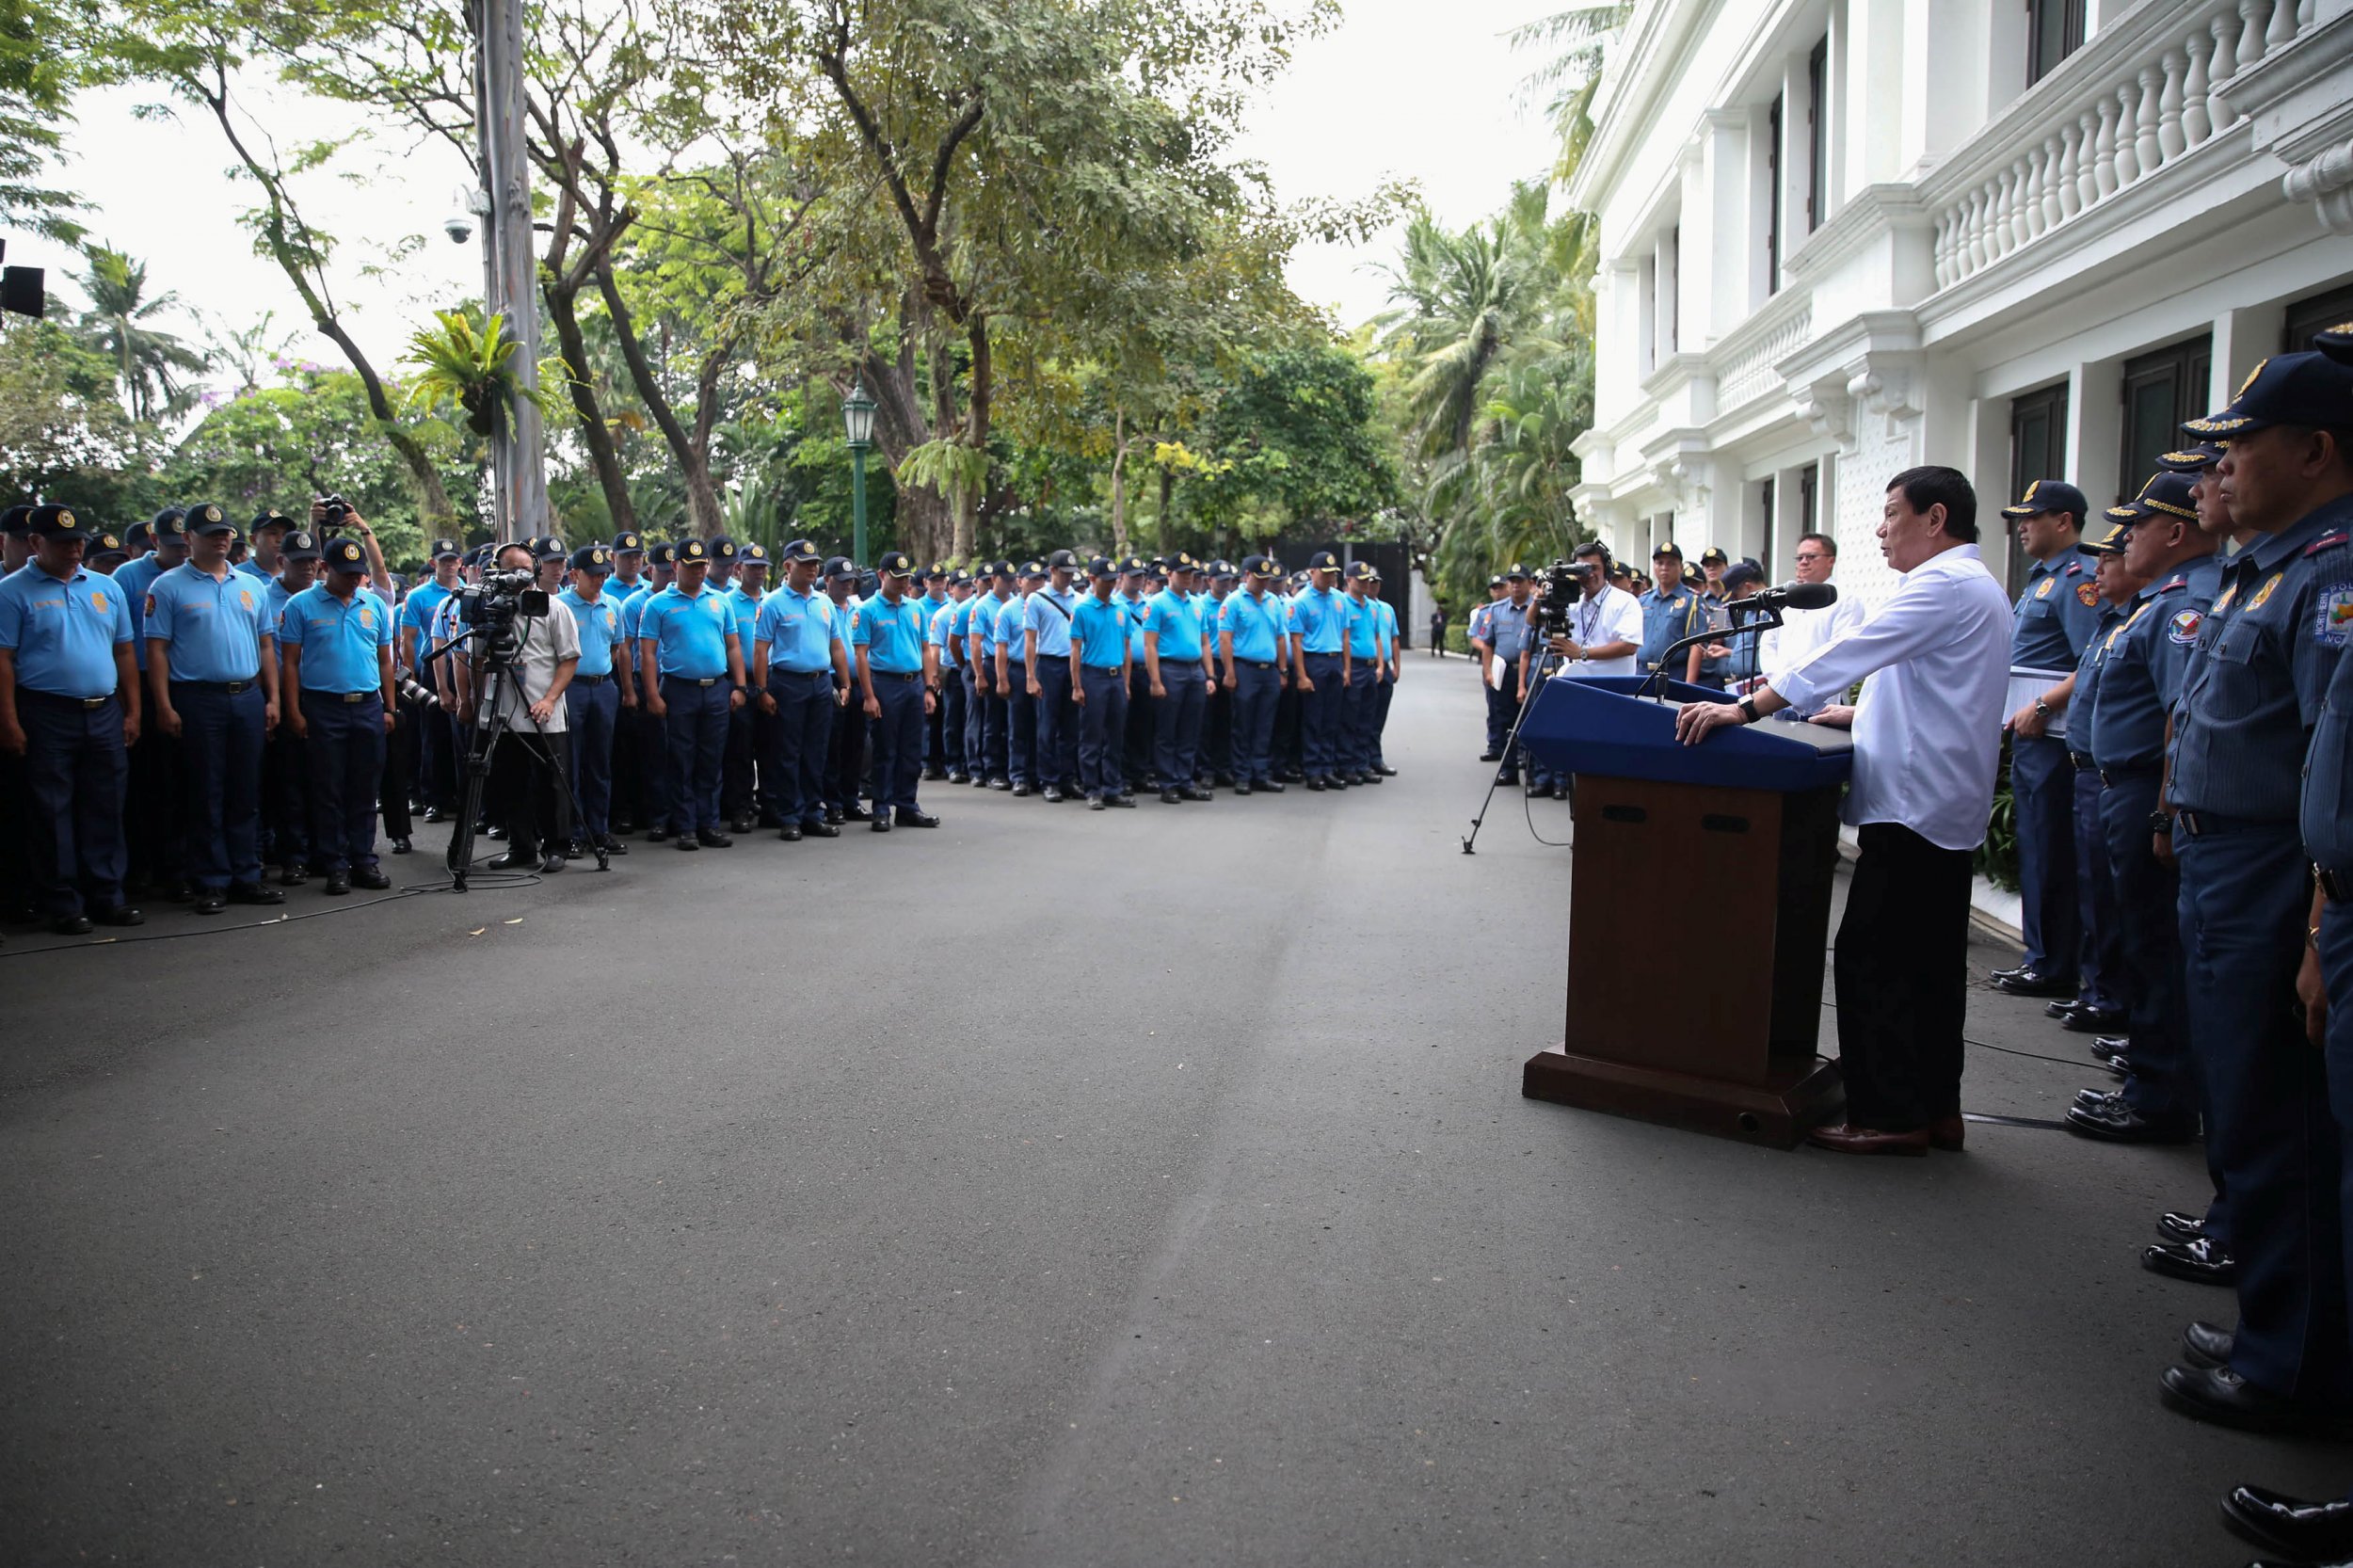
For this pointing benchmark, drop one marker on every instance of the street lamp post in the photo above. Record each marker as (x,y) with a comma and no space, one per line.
(858,425)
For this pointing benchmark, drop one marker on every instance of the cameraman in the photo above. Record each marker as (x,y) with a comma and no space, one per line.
(524,768)
(1604,625)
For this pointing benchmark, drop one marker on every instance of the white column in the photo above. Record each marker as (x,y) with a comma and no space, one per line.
(1873,117)
(2242,339)
(1945,49)
(2095,429)
(1717,225)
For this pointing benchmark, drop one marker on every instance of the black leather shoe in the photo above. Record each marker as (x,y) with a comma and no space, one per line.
(1371,777)
(550,864)
(434,813)
(935,774)
(370,877)
(613,846)
(685,840)
(790,833)
(497,833)
(1222,779)
(2307,1532)
(2108,1048)
(657,834)
(2023,982)
(2093,1099)
(2175,1225)
(295,875)
(1095,803)
(2115,1122)
(1508,776)
(715,841)
(1053,794)
(1559,792)
(2204,1345)
(209,903)
(2094,1020)
(1170,797)
(881,823)
(1491,756)
(71,925)
(1386,771)
(338,883)
(253,893)
(511,861)
(1190,793)
(1021,789)
(179,892)
(121,914)
(856,813)
(1267,787)
(1127,801)
(1316,784)
(820,831)
(833,815)
(402,846)
(2200,1262)
(1000,783)
(1242,789)
(2220,1394)
(741,824)
(916,819)
(959,777)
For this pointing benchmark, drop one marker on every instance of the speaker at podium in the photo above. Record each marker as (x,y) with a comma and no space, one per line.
(1736,841)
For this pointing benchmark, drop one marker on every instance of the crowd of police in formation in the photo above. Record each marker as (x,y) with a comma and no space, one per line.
(186,709)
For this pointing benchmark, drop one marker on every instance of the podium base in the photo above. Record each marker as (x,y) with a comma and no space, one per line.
(1775,1113)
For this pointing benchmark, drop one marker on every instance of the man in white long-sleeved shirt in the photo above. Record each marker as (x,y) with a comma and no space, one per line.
(1803,631)
(1927,742)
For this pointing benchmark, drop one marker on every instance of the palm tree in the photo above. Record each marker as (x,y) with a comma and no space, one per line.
(149,362)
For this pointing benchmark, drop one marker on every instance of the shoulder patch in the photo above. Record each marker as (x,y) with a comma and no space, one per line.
(2264,592)
(151,606)
(2183,627)
(2332,624)
(2324,541)
(2043,591)
(2087,594)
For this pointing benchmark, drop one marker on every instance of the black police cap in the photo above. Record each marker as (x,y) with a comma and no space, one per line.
(298,545)
(207,518)
(344,555)
(16,519)
(56,523)
(592,558)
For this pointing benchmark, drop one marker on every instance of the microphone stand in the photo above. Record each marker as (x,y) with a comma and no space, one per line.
(1763,621)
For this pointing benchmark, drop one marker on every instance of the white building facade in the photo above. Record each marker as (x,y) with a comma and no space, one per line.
(2021,237)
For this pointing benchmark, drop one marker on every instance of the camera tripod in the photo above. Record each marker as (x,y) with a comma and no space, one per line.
(1546,659)
(491,723)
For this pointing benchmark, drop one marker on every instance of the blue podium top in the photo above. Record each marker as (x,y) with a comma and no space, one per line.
(1598,726)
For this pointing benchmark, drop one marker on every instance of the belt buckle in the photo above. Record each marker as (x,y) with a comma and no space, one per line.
(2336,888)
(91,704)
(355,696)
(2189,823)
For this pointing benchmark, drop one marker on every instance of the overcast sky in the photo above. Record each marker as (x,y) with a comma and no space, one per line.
(1400,88)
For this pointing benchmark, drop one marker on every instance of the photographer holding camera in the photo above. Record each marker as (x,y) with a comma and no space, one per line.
(526,688)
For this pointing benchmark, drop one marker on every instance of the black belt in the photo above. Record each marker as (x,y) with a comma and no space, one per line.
(704,680)
(896,675)
(775,670)
(2334,885)
(590,680)
(1102,669)
(2111,778)
(2083,761)
(1062,658)
(232,687)
(1257,663)
(340,696)
(2199,825)
(85,704)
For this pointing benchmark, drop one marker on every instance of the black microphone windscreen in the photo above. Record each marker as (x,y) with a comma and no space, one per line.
(1808,595)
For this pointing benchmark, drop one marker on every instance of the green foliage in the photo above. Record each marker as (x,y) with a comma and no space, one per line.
(1997,857)
(466,362)
(1290,441)
(151,366)
(58,415)
(42,57)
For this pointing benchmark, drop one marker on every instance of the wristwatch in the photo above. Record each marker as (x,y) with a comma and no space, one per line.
(2160,821)
(2042,709)
(1748,710)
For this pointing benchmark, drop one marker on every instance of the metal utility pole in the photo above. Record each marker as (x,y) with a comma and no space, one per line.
(510,267)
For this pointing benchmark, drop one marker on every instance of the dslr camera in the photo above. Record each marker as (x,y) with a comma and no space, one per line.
(335,508)
(1559,588)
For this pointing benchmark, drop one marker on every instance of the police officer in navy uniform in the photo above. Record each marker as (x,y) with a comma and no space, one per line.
(686,633)
(1175,653)
(1217,715)
(335,656)
(1672,611)
(846,754)
(801,669)
(1512,639)
(896,674)
(212,684)
(1046,649)
(1013,679)
(2242,732)
(2055,614)
(285,767)
(1319,632)
(1253,653)
(69,707)
(156,805)
(593,702)
(1098,679)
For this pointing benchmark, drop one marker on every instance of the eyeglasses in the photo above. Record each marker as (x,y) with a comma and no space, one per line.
(1811,555)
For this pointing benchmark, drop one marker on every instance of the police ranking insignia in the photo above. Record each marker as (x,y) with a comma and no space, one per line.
(150,607)
(2224,602)
(2087,594)
(97,601)
(2183,627)
(241,594)
(2333,626)
(367,617)
(2044,591)
(2264,592)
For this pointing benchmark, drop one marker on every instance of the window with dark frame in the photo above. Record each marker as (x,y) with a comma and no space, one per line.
(1674,301)
(1817,134)
(1809,498)
(2037,445)
(2055,29)
(2307,316)
(2160,390)
(1773,200)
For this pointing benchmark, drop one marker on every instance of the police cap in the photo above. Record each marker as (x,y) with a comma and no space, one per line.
(2049,495)
(298,545)
(447,549)
(207,518)
(592,558)
(2287,389)
(628,543)
(798,551)
(895,563)
(548,549)
(55,522)
(344,555)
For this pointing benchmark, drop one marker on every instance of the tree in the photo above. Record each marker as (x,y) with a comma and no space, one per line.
(58,412)
(1292,441)
(42,46)
(150,363)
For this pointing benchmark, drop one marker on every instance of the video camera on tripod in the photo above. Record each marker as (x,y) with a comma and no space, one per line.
(489,609)
(1559,586)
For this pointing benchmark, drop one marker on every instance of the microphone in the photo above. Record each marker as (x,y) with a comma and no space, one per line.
(1797,596)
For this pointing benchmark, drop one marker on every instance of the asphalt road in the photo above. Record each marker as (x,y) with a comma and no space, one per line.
(1054,1188)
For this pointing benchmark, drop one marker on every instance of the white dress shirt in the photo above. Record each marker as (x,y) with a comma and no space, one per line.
(1802,631)
(1928,728)
(545,641)
(1611,615)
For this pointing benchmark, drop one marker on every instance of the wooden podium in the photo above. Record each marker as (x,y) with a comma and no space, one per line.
(1699,913)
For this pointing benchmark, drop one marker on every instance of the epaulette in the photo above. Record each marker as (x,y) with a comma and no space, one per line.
(2177,583)
(2324,541)
(2073,567)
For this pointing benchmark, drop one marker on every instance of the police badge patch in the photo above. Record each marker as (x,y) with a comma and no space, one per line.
(2333,624)
(2183,627)
(2087,594)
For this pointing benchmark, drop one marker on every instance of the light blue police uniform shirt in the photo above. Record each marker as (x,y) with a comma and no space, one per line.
(960,626)
(1048,614)
(1667,620)
(1101,629)
(2053,618)
(1508,631)
(1320,618)
(689,631)
(1004,629)
(135,578)
(746,611)
(2244,723)
(800,630)
(338,638)
(252,569)
(417,611)
(274,601)
(892,634)
(1255,621)
(1132,606)
(1385,631)
(600,623)
(213,631)
(1175,618)
(63,632)
(938,630)
(1476,628)
(1364,630)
